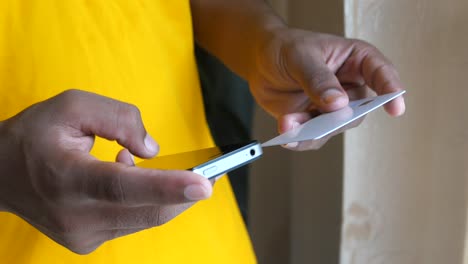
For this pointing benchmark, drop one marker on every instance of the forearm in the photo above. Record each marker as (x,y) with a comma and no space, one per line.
(232,30)
(5,166)
(12,166)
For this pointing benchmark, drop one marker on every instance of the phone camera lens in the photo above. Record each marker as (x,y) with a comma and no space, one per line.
(252,152)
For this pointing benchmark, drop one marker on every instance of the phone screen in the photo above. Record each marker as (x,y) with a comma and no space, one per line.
(192,159)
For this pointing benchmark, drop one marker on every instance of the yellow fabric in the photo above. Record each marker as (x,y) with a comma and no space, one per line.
(139,52)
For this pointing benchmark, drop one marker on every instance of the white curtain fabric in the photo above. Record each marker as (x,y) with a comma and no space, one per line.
(406,179)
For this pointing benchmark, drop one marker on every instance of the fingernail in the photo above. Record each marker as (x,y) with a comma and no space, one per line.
(295,125)
(197,192)
(133,159)
(331,95)
(292,145)
(151,145)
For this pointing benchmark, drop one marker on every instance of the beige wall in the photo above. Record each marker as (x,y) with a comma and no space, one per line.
(405,179)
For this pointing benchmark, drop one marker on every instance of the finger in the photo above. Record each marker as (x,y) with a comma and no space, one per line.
(308,144)
(318,143)
(317,80)
(291,121)
(108,118)
(359,92)
(124,156)
(132,186)
(396,107)
(383,78)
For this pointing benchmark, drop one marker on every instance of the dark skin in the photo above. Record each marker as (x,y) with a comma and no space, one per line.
(49,178)
(51,181)
(293,74)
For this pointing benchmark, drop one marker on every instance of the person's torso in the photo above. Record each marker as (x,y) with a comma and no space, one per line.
(140,52)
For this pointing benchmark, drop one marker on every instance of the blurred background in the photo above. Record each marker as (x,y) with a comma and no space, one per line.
(390,191)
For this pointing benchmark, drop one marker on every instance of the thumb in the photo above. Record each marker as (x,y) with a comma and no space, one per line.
(124,156)
(319,82)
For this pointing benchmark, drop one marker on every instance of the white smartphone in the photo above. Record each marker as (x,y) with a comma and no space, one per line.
(210,162)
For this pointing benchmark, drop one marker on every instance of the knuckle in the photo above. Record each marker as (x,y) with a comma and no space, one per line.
(128,116)
(69,101)
(135,111)
(70,93)
(377,80)
(79,247)
(70,96)
(363,44)
(82,250)
(130,113)
(66,231)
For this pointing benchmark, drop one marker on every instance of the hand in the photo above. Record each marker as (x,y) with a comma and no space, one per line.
(50,180)
(299,74)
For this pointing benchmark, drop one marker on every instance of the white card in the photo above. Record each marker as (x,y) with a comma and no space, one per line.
(327,123)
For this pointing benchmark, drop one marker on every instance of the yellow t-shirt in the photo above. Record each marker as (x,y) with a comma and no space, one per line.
(140,52)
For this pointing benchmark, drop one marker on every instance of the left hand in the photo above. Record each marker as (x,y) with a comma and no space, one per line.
(299,74)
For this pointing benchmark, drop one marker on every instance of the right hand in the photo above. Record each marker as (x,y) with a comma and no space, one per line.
(48,177)
(299,74)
